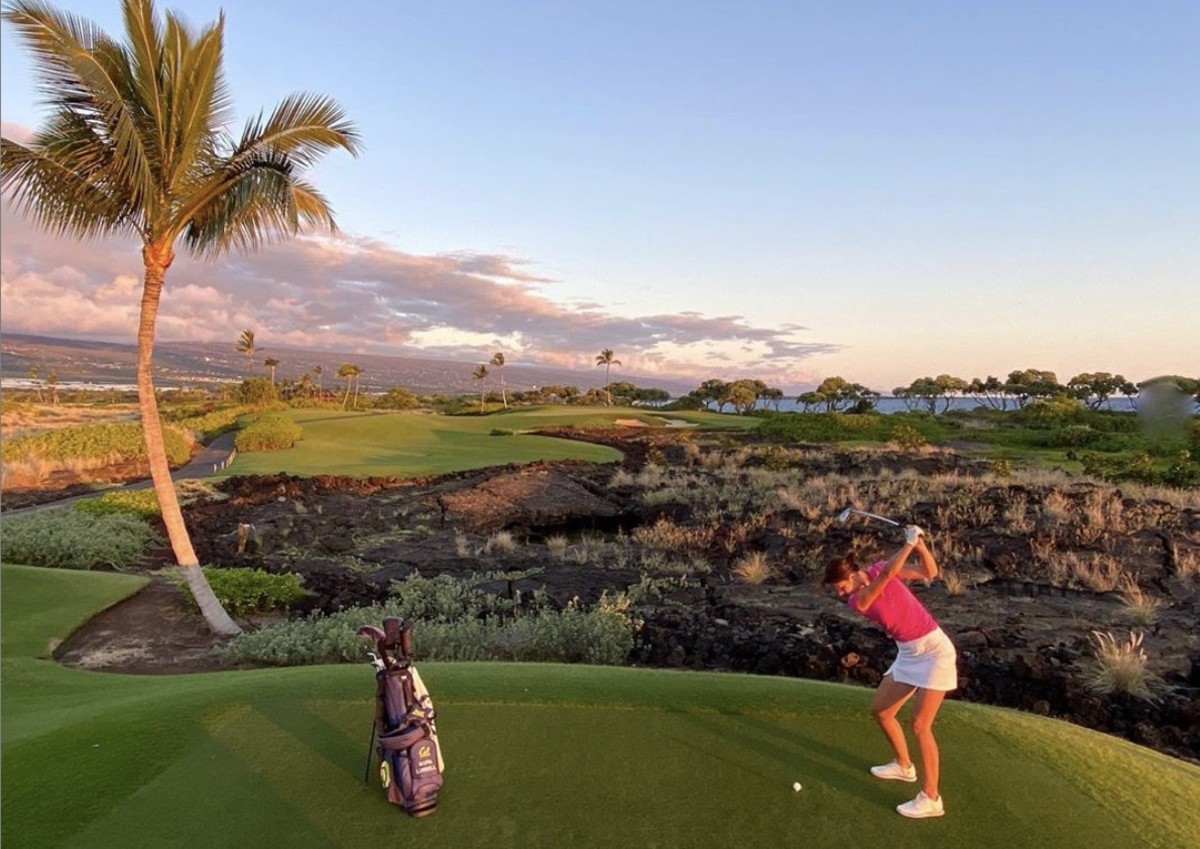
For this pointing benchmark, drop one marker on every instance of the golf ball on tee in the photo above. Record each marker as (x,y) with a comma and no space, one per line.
(796,786)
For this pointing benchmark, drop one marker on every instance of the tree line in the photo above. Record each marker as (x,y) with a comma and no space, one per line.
(935,394)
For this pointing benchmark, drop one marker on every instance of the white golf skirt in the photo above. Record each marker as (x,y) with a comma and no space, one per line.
(929,662)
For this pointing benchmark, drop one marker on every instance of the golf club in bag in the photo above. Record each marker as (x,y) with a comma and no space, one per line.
(404,734)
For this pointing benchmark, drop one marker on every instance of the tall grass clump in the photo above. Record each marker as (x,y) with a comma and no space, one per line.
(753,568)
(1139,605)
(1120,667)
(67,539)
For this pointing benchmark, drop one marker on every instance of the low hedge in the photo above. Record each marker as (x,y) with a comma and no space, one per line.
(268,432)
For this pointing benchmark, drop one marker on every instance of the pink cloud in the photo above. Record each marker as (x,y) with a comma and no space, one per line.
(343,292)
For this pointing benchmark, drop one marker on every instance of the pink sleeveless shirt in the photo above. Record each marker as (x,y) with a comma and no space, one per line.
(897,610)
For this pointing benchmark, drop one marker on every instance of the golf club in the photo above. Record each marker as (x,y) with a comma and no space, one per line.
(845,514)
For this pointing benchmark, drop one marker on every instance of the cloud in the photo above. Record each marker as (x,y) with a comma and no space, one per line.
(349,293)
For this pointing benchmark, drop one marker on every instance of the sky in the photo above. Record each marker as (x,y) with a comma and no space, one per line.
(786,191)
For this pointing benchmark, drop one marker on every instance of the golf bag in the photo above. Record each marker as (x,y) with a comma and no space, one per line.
(404,733)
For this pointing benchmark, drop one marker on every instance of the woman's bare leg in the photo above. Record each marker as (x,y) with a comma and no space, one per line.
(889,698)
(925,708)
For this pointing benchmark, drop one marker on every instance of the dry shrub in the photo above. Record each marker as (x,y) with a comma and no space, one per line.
(23,474)
(955,581)
(1099,572)
(621,478)
(1140,606)
(1015,515)
(557,545)
(1187,563)
(500,541)
(1042,546)
(752,568)
(665,534)
(1056,507)
(1121,667)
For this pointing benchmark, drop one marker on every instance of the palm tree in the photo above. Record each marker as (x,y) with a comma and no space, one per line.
(137,144)
(271,363)
(245,345)
(498,362)
(606,359)
(350,372)
(37,384)
(318,371)
(481,374)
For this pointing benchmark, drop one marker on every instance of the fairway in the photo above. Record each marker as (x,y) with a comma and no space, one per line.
(537,756)
(408,444)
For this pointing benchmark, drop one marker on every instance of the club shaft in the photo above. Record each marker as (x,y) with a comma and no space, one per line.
(877,516)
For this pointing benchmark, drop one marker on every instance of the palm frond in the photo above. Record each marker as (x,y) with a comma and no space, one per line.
(45,188)
(55,38)
(257,203)
(137,138)
(196,103)
(81,71)
(303,126)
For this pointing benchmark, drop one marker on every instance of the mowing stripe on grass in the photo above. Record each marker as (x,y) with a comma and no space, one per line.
(538,755)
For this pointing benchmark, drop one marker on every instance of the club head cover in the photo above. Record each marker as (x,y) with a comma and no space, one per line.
(406,640)
(370,632)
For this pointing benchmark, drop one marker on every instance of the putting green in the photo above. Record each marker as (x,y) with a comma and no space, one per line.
(537,756)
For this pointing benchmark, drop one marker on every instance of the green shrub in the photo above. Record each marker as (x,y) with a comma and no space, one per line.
(142,503)
(499,431)
(397,398)
(212,424)
(1073,436)
(269,432)
(909,438)
(1053,412)
(110,443)
(67,539)
(257,392)
(454,620)
(835,427)
(245,591)
(446,599)
(1001,467)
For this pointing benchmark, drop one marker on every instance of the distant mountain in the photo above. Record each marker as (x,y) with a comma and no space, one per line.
(198,363)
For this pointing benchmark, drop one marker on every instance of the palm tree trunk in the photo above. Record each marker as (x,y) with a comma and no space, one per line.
(160,472)
(607,384)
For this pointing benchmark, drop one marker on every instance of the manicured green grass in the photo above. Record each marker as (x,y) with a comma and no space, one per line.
(537,756)
(407,443)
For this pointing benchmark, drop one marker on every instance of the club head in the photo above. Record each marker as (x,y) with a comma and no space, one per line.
(844,515)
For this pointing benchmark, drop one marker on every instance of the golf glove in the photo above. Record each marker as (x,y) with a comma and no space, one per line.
(912,533)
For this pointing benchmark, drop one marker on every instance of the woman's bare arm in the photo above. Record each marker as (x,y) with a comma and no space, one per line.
(927,570)
(865,597)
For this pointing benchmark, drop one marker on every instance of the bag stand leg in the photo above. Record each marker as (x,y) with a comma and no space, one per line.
(370,754)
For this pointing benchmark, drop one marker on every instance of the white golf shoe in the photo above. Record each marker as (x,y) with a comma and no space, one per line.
(922,807)
(892,771)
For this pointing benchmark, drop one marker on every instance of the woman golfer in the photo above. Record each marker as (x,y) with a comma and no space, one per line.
(925,663)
